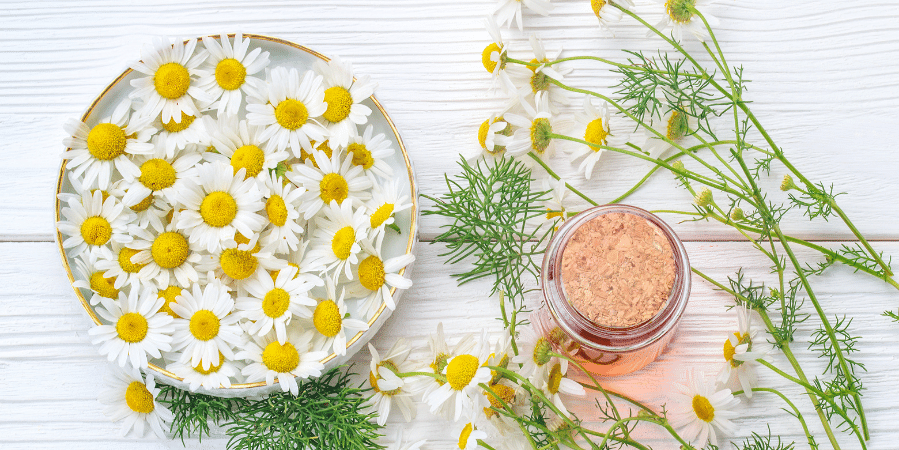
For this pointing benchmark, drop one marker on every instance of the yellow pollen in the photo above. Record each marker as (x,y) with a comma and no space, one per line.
(678,125)
(703,408)
(174,127)
(280,358)
(238,264)
(339,103)
(381,215)
(143,205)
(680,10)
(275,303)
(212,369)
(138,398)
(248,157)
(157,174)
(324,147)
(730,350)
(464,435)
(291,114)
(125,261)
(373,380)
(131,327)
(554,379)
(276,210)
(218,209)
(106,141)
(461,370)
(361,155)
(169,294)
(371,273)
(241,240)
(333,187)
(506,394)
(342,242)
(534,65)
(170,249)
(482,133)
(230,74)
(596,134)
(550,214)
(171,80)
(104,287)
(327,319)
(597,5)
(204,325)
(96,230)
(488,63)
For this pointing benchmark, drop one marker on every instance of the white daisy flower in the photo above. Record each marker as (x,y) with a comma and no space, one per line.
(287,110)
(461,396)
(137,328)
(386,200)
(534,80)
(223,202)
(149,213)
(438,355)
(297,259)
(509,10)
(344,96)
(594,125)
(272,303)
(498,427)
(241,145)
(607,14)
(121,265)
(675,125)
(165,256)
(286,362)
(376,278)
(335,241)
(332,322)
(557,383)
(679,17)
(161,174)
(88,276)
(178,135)
(239,261)
(335,179)
(214,377)
(94,152)
(742,350)
(227,71)
(169,86)
(388,387)
(92,223)
(534,356)
(701,412)
(370,153)
(533,131)
(493,136)
(282,206)
(494,59)
(208,330)
(469,436)
(556,211)
(130,398)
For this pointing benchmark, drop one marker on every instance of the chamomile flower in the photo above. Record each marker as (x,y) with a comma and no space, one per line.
(509,10)
(228,69)
(335,241)
(271,360)
(121,265)
(469,436)
(675,125)
(214,377)
(273,302)
(332,322)
(94,152)
(701,412)
(533,131)
(495,60)
(344,97)
(371,153)
(93,223)
(241,145)
(557,383)
(287,109)
(377,278)
(133,399)
(208,330)
(534,356)
(742,350)
(282,205)
(537,79)
(607,14)
(165,256)
(556,211)
(388,387)
(461,396)
(239,261)
(169,295)
(161,174)
(386,200)
(593,124)
(177,135)
(680,18)
(223,202)
(335,179)
(438,355)
(493,136)
(169,87)
(136,328)
(297,259)
(88,276)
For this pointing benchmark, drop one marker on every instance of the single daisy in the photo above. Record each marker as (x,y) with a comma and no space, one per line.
(742,350)
(136,328)
(509,10)
(93,223)
(335,241)
(675,125)
(701,412)
(495,60)
(333,324)
(121,265)
(88,276)
(469,436)
(241,145)
(534,355)
(537,79)
(344,95)
(460,396)
(133,399)
(371,153)
(533,131)
(335,179)
(170,86)
(160,174)
(150,212)
(165,256)
(679,17)
(214,377)
(438,355)
(208,330)
(221,203)
(556,211)
(287,109)
(282,204)
(388,387)
(177,135)
(240,260)
(227,69)
(493,136)
(594,125)
(386,200)
(557,383)
(95,151)
(271,359)
(377,278)
(273,301)
(607,13)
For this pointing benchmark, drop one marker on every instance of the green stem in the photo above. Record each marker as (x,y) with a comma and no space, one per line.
(796,413)
(553,174)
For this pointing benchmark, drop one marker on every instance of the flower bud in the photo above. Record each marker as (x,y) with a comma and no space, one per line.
(787,183)
(737,214)
(678,166)
(704,198)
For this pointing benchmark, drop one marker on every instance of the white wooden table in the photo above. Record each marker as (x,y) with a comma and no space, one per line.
(824,82)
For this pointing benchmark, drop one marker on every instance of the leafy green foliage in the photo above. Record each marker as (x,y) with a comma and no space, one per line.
(193,412)
(767,442)
(891,315)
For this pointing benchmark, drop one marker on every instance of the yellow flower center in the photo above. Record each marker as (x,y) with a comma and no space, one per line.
(138,398)
(218,209)
(381,215)
(104,287)
(541,351)
(327,319)
(596,133)
(540,131)
(488,63)
(291,114)
(170,249)
(131,327)
(230,74)
(506,395)
(339,103)
(371,273)
(241,240)
(204,325)
(174,127)
(238,264)
(280,358)
(342,242)
(461,370)
(730,350)
(143,205)
(550,214)
(333,187)
(125,261)
(678,126)
(275,303)
(276,210)
(96,230)
(248,157)
(361,155)
(555,379)
(482,133)
(212,368)
(597,6)
(373,379)
(539,82)
(680,11)
(171,80)
(324,147)
(106,141)
(464,435)
(157,174)
(169,294)
(703,408)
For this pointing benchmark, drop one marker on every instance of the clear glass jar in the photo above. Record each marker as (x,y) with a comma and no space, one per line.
(605,350)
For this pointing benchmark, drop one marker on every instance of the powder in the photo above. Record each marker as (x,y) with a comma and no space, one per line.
(618,270)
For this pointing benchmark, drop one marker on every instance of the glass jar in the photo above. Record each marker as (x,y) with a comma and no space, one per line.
(608,350)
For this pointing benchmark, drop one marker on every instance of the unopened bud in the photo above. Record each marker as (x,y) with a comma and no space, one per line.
(678,166)
(704,198)
(787,183)
(737,214)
